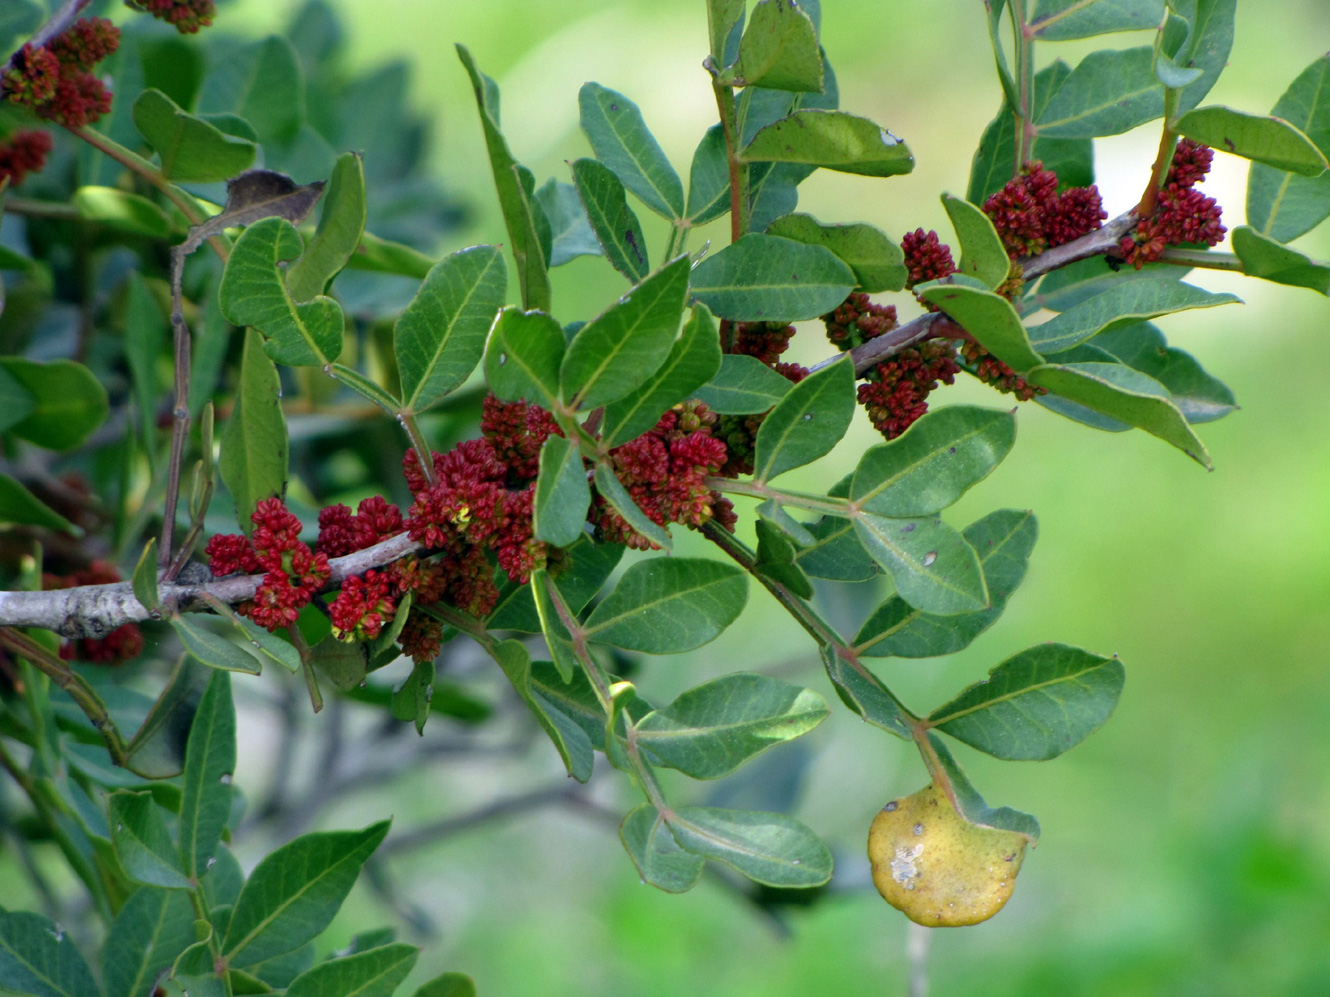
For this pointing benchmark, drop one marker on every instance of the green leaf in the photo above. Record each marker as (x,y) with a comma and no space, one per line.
(622,141)
(1003,540)
(569,738)
(562,493)
(569,226)
(1108,93)
(269,645)
(344,663)
(144,580)
(213,650)
(1265,258)
(693,360)
(1261,138)
(142,843)
(555,619)
(341,226)
(618,351)
(1125,304)
(151,930)
(145,335)
(588,566)
(1208,45)
(709,178)
(768,848)
(1124,394)
(669,605)
(385,256)
(659,859)
(982,253)
(37,957)
(190,149)
(864,693)
(833,140)
(876,261)
(157,750)
(613,491)
(365,388)
(447,985)
(617,231)
(373,973)
(254,452)
(762,278)
(440,337)
(970,805)
(995,9)
(519,211)
(1060,20)
(1280,205)
(1036,704)
(989,318)
(122,211)
(16,401)
(932,566)
(523,356)
(69,402)
(934,462)
(295,891)
(210,762)
(1080,281)
(1198,396)
(807,423)
(266,89)
(20,506)
(743,385)
(835,552)
(777,534)
(723,16)
(778,50)
(712,729)
(253,293)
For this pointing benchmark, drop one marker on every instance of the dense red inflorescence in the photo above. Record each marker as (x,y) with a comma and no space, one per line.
(188,16)
(926,257)
(22,153)
(895,393)
(996,374)
(1183,215)
(56,81)
(1030,215)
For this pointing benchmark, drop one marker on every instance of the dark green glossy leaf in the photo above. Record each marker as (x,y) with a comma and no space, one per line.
(253,462)
(613,491)
(569,738)
(779,49)
(1265,258)
(832,140)
(37,957)
(1003,540)
(447,985)
(1207,47)
(767,848)
(932,566)
(519,211)
(762,278)
(213,650)
(269,645)
(669,605)
(875,260)
(1111,91)
(295,891)
(144,579)
(712,729)
(253,293)
(157,750)
(1123,394)
(807,423)
(723,17)
(20,506)
(1280,205)
(562,493)
(69,402)
(373,973)
(616,229)
(743,385)
(590,564)
(151,930)
(190,148)
(210,761)
(617,351)
(1125,304)
(142,843)
(970,805)
(1261,138)
(1036,704)
(989,318)
(622,141)
(659,859)
(1059,20)
(1071,285)
(555,619)
(864,693)
(835,552)
(982,254)
(569,227)
(341,226)
(522,357)
(440,337)
(693,360)
(1199,396)
(709,178)
(934,462)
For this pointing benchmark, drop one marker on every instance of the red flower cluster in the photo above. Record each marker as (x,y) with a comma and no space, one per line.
(22,153)
(1031,216)
(55,80)
(187,15)
(121,644)
(665,472)
(293,572)
(858,320)
(1183,216)
(926,257)
(342,531)
(995,373)
(517,431)
(764,340)
(363,606)
(895,392)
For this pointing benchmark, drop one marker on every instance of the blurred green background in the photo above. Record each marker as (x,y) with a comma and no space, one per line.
(1186,846)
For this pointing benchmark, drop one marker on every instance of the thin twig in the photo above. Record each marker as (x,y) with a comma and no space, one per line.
(505,807)
(917,939)
(179,415)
